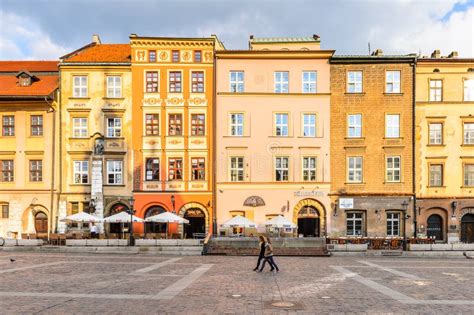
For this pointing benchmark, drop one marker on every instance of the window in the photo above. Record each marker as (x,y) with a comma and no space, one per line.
(468,175)
(309,81)
(36,171)
(393,169)
(237,124)
(469,133)
(281,82)
(5,212)
(354,169)
(114,172)
(354,126)
(152,124)
(392,82)
(309,125)
(152,55)
(354,223)
(309,168)
(79,127)
(175,82)
(392,126)
(281,125)
(436,133)
(7,171)
(153,169)
(436,175)
(114,86)
(175,56)
(281,169)
(79,86)
(354,82)
(236,169)
(197,56)
(175,169)
(152,82)
(114,127)
(393,224)
(198,124)
(198,166)
(36,125)
(436,90)
(469,90)
(81,172)
(74,207)
(237,81)
(197,78)
(8,124)
(175,124)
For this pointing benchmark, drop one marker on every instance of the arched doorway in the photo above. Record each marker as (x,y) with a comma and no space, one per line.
(467,228)
(41,222)
(154,227)
(308,221)
(434,227)
(117,227)
(197,223)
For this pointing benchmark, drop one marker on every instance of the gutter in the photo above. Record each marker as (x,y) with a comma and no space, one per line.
(60,144)
(213,147)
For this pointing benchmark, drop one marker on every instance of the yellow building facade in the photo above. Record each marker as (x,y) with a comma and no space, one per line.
(445,147)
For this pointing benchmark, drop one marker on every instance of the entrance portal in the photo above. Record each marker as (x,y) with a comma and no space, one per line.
(308,222)
(467,228)
(197,223)
(154,227)
(118,228)
(435,227)
(41,222)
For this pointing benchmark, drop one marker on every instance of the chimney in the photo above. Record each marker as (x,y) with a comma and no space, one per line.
(453,54)
(436,54)
(377,52)
(316,37)
(96,39)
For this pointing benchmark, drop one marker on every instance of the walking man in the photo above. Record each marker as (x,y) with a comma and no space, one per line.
(261,246)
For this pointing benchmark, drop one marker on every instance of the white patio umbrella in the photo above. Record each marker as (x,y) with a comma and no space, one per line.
(122,217)
(166,217)
(240,221)
(83,217)
(280,222)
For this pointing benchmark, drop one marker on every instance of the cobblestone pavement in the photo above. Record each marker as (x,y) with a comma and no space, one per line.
(93,283)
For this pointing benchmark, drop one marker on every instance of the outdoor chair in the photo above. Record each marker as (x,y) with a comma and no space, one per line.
(62,239)
(69,236)
(113,235)
(86,235)
(77,236)
(25,236)
(32,236)
(102,236)
(54,239)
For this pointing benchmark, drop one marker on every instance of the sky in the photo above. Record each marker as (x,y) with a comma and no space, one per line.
(48,29)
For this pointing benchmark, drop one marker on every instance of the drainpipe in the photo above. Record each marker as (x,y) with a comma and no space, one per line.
(414,148)
(53,161)
(214,143)
(60,144)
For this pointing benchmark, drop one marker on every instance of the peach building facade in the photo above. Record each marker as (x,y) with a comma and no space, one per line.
(272,133)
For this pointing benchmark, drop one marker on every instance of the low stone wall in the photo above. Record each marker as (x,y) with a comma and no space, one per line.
(441,247)
(347,247)
(9,243)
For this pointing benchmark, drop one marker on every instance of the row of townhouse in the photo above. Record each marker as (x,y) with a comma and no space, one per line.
(366,145)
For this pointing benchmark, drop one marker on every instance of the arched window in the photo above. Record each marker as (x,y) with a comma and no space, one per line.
(154,227)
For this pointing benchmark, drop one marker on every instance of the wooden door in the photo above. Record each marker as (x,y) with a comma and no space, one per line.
(41,223)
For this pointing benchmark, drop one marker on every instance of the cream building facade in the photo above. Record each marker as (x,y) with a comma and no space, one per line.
(272,133)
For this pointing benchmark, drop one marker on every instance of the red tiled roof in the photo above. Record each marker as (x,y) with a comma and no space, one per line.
(32,66)
(102,53)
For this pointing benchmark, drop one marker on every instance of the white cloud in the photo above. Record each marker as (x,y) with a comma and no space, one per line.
(22,39)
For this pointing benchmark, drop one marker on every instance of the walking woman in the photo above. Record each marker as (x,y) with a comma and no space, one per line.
(268,256)
(261,246)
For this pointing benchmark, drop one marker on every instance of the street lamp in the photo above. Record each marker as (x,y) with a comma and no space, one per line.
(405,217)
(172,202)
(131,239)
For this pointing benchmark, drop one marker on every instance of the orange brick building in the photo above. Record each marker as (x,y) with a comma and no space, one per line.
(173,133)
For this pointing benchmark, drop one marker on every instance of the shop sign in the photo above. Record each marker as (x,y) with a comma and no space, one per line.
(346,203)
(309,193)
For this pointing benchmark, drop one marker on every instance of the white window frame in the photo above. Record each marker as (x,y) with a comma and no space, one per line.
(236,128)
(468,133)
(80,127)
(354,218)
(309,128)
(281,83)
(354,81)
(149,173)
(392,172)
(354,173)
(435,134)
(469,90)
(114,86)
(468,177)
(309,84)
(114,131)
(236,84)
(393,224)
(79,88)
(392,126)
(281,128)
(80,168)
(309,168)
(280,167)
(436,90)
(236,173)
(436,181)
(354,126)
(115,169)
(393,81)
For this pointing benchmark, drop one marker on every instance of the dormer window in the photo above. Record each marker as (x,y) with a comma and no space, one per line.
(25,78)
